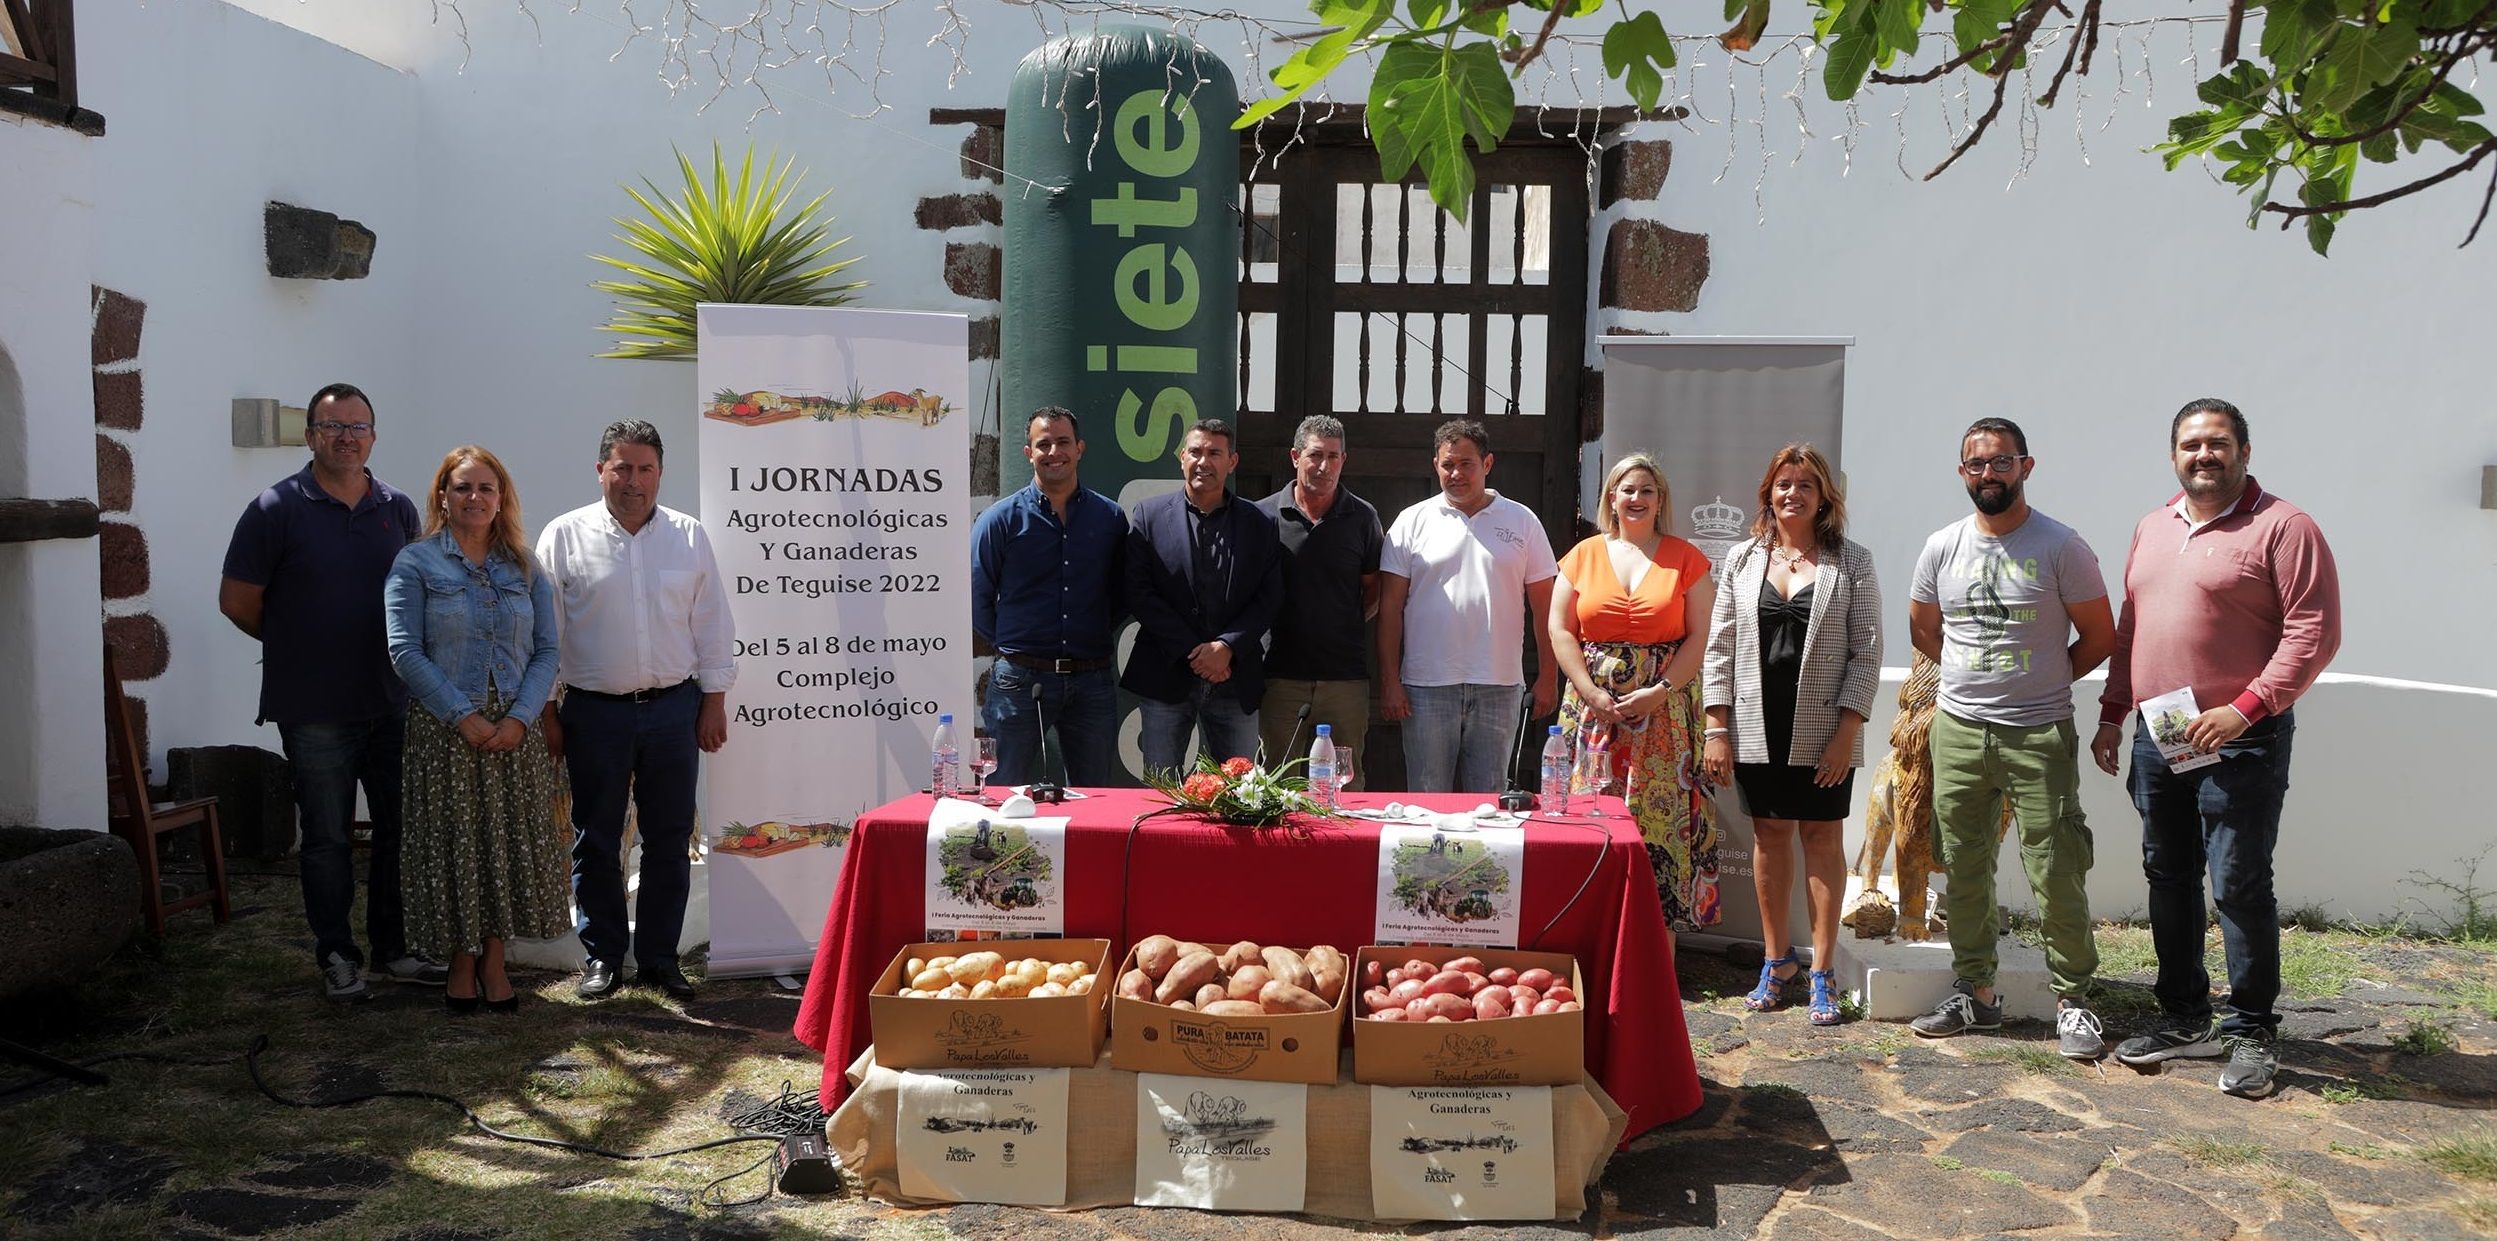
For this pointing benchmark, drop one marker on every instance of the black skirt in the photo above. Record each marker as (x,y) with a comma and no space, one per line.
(1779,791)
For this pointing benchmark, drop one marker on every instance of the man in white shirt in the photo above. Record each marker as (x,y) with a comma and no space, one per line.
(648,654)
(1460,574)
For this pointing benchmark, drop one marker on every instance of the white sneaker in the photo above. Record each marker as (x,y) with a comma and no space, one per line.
(2077,1032)
(342,980)
(422,971)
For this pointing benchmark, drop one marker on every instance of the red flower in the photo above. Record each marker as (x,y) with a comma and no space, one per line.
(1237,767)
(1204,786)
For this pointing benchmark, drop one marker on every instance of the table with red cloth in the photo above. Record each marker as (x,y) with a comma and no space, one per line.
(1316,883)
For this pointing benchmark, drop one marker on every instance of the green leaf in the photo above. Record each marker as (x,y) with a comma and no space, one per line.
(1424,104)
(1850,58)
(1357,21)
(2357,60)
(2244,84)
(2291,27)
(1638,51)
(2319,233)
(1895,23)
(2381,148)
(1750,17)
(1426,13)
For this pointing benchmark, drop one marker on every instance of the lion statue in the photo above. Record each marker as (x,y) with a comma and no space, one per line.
(1898,812)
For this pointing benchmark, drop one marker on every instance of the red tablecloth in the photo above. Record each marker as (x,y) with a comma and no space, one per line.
(1218,884)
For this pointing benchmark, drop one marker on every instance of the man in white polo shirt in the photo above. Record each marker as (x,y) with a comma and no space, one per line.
(1461,574)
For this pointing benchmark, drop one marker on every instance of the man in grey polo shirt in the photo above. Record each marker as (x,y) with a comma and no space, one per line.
(1317,661)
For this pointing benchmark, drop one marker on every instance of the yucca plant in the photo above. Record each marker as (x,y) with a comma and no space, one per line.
(721,241)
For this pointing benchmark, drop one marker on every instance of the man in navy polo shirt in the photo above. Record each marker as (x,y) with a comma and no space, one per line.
(1047,574)
(303,575)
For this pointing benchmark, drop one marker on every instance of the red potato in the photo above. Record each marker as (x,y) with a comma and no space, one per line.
(1523,998)
(1419,968)
(1464,965)
(1475,981)
(1544,1007)
(1135,985)
(1491,1003)
(1560,992)
(1388,1014)
(1417,1009)
(1538,978)
(1404,993)
(1246,981)
(1453,1007)
(1373,974)
(1570,1006)
(1503,976)
(1209,994)
(1446,983)
(1435,1020)
(1377,998)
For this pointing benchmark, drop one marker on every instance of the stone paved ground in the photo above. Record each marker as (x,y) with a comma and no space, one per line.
(1857,1132)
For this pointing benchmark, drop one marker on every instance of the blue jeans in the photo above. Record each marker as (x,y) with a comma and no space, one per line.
(1460,737)
(1081,707)
(645,750)
(2224,819)
(1213,709)
(328,762)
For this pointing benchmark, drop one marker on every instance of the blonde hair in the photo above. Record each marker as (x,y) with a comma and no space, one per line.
(1612,478)
(1829,526)
(505,535)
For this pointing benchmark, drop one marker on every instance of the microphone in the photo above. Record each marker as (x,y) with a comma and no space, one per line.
(1293,746)
(1041,791)
(1514,799)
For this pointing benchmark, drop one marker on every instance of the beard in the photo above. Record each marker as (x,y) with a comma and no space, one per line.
(1993,498)
(2224,482)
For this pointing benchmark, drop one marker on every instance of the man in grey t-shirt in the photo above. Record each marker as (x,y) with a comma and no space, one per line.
(1997,600)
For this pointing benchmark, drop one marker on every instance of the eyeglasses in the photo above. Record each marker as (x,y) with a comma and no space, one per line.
(1975,467)
(358,429)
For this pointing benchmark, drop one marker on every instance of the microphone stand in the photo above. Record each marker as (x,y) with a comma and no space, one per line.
(1293,746)
(1515,800)
(1045,791)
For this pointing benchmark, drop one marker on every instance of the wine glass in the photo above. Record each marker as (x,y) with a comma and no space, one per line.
(1595,759)
(1345,771)
(983,762)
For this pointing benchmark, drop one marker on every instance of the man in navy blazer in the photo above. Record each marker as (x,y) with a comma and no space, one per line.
(1204,582)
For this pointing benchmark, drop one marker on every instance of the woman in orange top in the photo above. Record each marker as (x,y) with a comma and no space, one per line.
(1629,622)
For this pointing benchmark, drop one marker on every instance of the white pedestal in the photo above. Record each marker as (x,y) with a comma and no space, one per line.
(564,951)
(1902,979)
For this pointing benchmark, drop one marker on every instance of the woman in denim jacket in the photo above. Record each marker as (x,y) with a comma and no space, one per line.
(472,632)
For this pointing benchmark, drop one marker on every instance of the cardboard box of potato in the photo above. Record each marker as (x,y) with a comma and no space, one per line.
(1019,1031)
(1275,1022)
(1545,1050)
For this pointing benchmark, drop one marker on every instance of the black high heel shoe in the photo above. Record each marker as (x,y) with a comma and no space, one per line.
(461,1005)
(508,1004)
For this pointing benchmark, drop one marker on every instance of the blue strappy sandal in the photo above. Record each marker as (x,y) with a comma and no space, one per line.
(1824,1007)
(1771,993)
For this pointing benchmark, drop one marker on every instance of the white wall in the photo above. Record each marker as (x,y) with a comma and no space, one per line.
(2086,300)
(51,664)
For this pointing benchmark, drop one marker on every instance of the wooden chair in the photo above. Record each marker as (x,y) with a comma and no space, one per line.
(142,823)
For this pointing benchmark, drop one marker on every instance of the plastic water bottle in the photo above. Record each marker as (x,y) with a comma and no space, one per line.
(1555,790)
(1322,768)
(945,756)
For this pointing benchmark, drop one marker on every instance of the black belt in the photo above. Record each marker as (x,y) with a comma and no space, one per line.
(639,695)
(1061,666)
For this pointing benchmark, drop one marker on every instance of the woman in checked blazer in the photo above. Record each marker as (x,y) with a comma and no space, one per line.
(1794,657)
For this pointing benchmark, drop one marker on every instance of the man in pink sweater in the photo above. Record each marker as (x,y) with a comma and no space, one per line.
(2229,591)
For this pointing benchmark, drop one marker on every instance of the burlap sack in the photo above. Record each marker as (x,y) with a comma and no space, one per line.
(1101,1162)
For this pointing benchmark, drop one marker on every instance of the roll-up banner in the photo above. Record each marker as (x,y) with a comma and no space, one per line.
(1713,409)
(835,463)
(1122,277)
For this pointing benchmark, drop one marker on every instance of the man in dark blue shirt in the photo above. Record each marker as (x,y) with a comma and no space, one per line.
(1317,667)
(1046,573)
(303,576)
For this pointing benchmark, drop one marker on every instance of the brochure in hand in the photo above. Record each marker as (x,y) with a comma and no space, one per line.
(2167,717)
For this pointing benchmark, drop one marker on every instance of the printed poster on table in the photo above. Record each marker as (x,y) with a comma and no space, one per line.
(1439,885)
(834,452)
(1221,1145)
(1461,1154)
(985,1135)
(993,878)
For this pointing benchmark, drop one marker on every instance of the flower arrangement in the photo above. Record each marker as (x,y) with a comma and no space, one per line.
(1237,790)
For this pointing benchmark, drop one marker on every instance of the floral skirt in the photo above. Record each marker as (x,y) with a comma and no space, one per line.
(481,854)
(1656,768)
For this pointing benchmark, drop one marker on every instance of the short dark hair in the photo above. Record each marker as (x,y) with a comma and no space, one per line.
(1317,426)
(1215,426)
(336,392)
(630,431)
(1051,413)
(2211,405)
(1998,426)
(1455,429)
